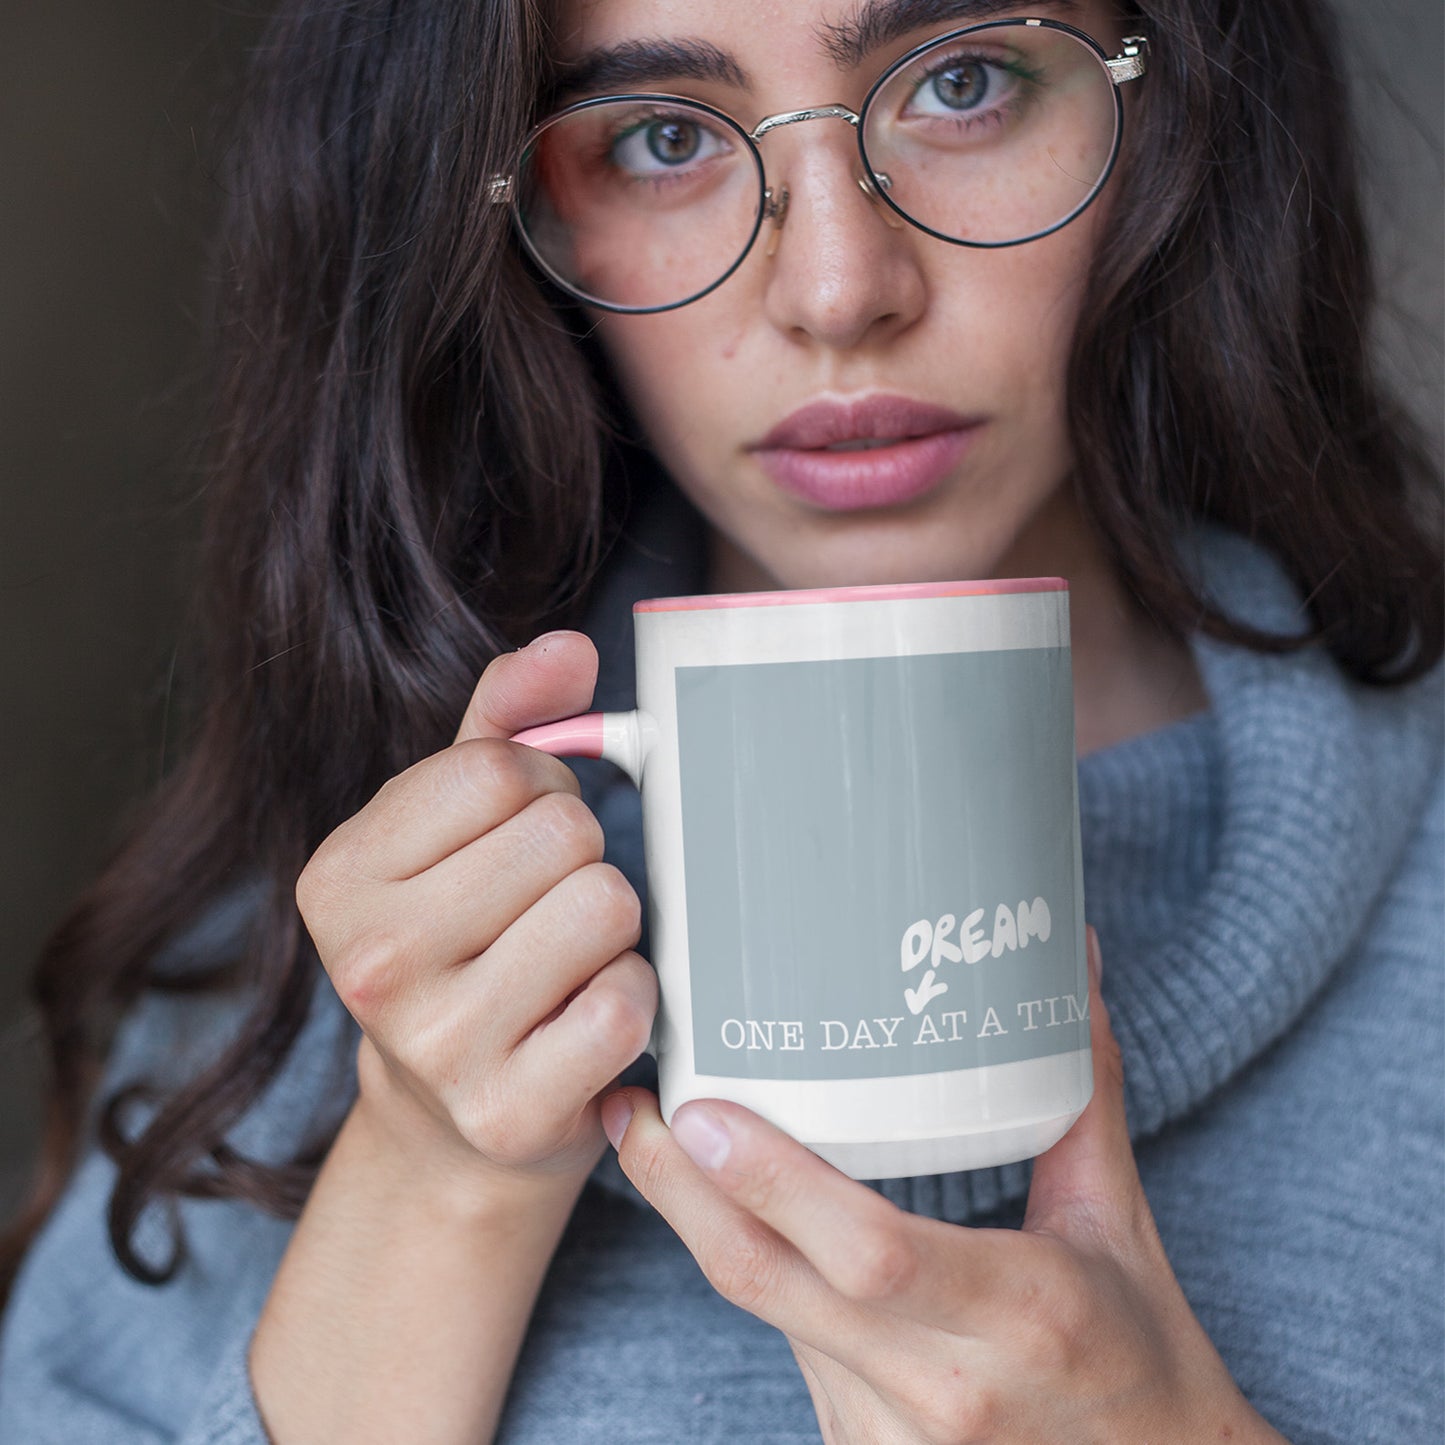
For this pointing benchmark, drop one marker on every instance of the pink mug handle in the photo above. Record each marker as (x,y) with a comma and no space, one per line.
(619,737)
(616,736)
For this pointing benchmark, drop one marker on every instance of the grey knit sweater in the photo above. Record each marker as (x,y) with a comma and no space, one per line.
(1266,880)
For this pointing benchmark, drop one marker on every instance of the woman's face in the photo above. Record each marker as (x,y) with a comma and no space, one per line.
(857,314)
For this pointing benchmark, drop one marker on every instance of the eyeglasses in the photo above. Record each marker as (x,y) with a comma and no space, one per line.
(992,135)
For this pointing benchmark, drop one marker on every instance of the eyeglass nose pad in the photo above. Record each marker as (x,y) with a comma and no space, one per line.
(870,189)
(775,209)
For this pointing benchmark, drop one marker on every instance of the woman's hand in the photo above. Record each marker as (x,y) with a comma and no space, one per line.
(468,923)
(909,1329)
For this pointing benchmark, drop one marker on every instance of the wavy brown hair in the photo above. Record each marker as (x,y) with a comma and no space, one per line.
(411,470)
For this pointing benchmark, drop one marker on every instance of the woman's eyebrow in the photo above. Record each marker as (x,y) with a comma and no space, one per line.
(877,23)
(643,63)
(639,64)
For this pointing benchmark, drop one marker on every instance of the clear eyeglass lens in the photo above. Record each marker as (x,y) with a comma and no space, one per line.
(639,204)
(995,136)
(992,137)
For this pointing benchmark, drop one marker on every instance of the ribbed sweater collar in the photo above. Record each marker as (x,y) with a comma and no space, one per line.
(1231,860)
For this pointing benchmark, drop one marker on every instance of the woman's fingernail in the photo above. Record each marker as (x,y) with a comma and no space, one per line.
(703,1136)
(1096,960)
(539,644)
(616,1115)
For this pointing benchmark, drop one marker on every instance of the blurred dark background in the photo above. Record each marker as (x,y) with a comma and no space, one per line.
(106,190)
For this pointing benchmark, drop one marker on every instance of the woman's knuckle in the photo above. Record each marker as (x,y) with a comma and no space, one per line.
(366,974)
(610,1015)
(636,978)
(312,886)
(1054,1315)
(612,900)
(322,881)
(481,769)
(743,1267)
(1070,1319)
(600,1008)
(491,1128)
(948,1408)
(954,1413)
(1034,1308)
(642,989)
(762,1185)
(881,1265)
(437,1041)
(570,824)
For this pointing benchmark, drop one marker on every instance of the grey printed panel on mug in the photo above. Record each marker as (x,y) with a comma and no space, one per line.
(842,818)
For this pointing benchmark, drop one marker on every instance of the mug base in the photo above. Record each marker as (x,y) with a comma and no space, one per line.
(907,1158)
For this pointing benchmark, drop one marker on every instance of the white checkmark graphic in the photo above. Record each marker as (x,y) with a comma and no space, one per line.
(927,989)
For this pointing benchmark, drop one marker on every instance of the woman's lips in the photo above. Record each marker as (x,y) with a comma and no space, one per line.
(907,448)
(879,477)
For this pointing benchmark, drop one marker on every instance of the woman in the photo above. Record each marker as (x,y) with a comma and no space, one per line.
(380,966)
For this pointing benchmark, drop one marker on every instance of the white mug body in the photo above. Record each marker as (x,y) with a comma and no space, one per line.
(864,874)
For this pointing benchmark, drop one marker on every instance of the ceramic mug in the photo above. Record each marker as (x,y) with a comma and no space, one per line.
(864,876)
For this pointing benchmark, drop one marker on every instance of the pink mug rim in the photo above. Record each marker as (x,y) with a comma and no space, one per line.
(877,592)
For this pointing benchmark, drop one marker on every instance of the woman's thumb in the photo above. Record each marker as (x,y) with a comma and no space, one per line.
(552,677)
(1089,1176)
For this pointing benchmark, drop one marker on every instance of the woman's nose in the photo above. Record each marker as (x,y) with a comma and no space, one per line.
(844,271)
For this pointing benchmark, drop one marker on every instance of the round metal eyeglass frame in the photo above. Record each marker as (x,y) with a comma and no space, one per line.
(1129,64)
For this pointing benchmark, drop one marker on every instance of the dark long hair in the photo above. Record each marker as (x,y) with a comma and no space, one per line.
(410,473)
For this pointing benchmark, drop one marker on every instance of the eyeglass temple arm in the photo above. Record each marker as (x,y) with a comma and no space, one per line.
(1132,61)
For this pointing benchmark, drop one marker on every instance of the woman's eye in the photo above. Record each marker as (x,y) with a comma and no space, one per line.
(963,87)
(666,143)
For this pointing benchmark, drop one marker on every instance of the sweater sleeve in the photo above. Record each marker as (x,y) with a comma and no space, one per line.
(89,1355)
